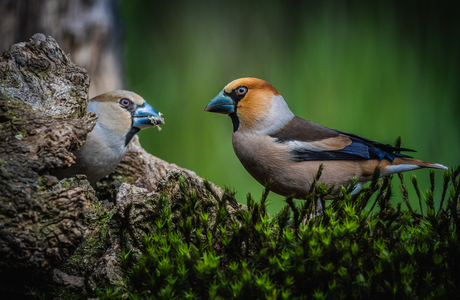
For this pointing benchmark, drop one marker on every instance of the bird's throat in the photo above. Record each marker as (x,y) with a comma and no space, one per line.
(235,121)
(130,135)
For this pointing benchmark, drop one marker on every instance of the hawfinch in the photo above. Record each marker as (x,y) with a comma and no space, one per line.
(273,144)
(121,114)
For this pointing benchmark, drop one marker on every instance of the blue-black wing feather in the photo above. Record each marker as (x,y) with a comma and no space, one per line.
(360,148)
(302,130)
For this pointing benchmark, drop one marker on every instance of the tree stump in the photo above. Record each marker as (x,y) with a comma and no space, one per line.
(66,233)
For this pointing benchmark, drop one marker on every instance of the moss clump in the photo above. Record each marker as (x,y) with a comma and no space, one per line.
(87,254)
(359,246)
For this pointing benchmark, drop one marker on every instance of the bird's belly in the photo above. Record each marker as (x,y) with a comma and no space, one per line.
(266,161)
(99,165)
(95,159)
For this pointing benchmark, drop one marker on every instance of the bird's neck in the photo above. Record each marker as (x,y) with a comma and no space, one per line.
(114,137)
(277,115)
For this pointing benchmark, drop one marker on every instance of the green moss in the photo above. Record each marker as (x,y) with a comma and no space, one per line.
(87,254)
(346,252)
(41,185)
(13,115)
(67,184)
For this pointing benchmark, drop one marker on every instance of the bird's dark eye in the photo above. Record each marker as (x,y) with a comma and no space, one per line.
(241,91)
(125,102)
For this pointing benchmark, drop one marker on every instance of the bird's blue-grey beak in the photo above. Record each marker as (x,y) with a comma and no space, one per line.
(221,104)
(145,116)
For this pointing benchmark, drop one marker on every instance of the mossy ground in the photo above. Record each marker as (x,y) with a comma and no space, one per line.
(356,248)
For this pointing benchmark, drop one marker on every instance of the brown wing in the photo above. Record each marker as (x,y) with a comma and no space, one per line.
(302,130)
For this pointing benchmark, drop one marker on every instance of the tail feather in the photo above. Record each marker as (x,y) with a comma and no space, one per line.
(403,164)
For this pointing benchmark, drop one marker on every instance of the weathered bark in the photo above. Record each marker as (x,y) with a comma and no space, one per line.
(43,118)
(89,30)
(59,233)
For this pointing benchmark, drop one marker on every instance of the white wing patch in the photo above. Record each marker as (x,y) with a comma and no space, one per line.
(335,143)
(311,146)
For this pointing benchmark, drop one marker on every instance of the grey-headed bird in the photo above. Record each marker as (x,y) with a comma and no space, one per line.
(273,144)
(121,114)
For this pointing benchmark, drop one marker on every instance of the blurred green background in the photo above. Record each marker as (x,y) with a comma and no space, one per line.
(374,68)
